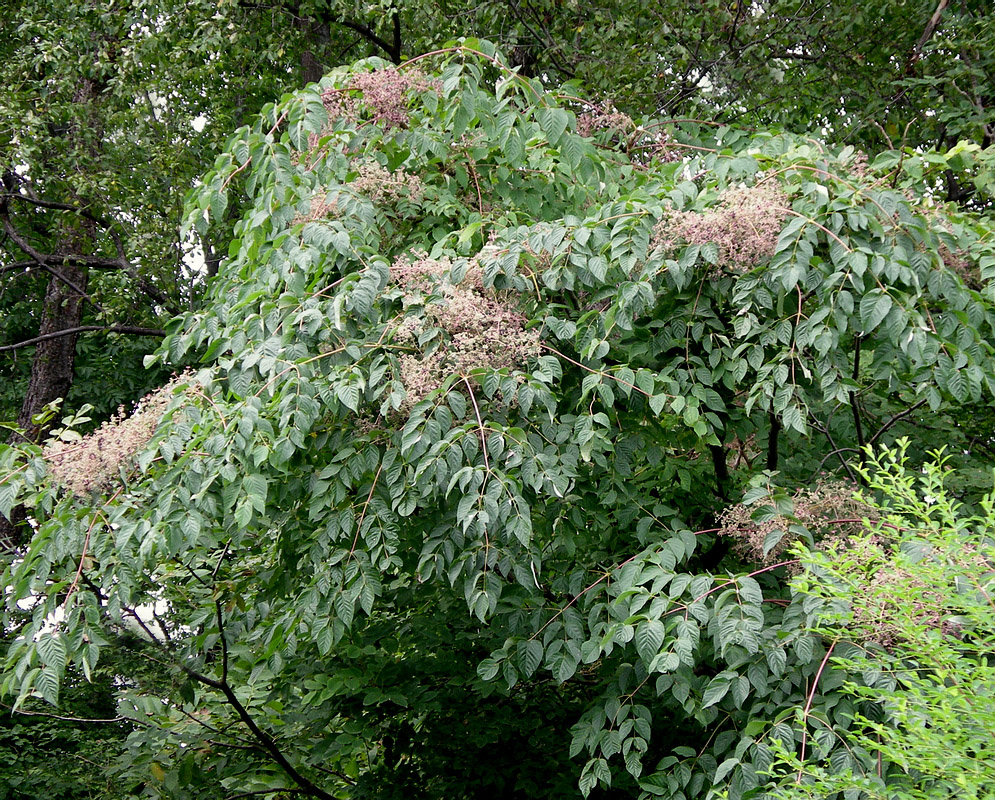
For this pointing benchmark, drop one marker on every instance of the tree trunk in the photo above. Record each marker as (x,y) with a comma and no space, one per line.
(52,368)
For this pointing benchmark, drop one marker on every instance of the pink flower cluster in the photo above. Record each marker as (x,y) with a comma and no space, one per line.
(321,208)
(603,119)
(385,93)
(481,330)
(830,510)
(745,224)
(95,461)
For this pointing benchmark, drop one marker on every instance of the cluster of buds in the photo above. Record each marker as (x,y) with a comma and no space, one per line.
(830,511)
(480,330)
(93,462)
(745,224)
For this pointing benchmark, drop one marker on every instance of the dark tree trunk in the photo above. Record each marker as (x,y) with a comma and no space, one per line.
(54,359)
(52,368)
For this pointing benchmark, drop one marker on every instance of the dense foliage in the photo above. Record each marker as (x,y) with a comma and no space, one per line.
(448,503)
(908,607)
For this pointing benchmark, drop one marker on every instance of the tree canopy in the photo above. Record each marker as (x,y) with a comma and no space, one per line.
(482,463)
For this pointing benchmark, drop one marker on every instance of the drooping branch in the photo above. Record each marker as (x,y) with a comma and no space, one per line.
(131,330)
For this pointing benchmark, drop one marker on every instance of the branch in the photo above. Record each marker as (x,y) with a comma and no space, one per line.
(370,34)
(64,718)
(854,405)
(772,441)
(79,290)
(721,471)
(895,418)
(546,40)
(329,19)
(267,741)
(397,36)
(35,201)
(927,34)
(129,329)
(48,259)
(76,260)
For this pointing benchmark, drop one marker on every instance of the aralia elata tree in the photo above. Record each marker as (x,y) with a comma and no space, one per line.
(471,392)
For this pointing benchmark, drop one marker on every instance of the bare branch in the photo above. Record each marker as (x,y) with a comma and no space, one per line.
(927,34)
(128,329)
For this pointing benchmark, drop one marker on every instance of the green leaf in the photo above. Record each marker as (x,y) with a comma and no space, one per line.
(649,638)
(717,688)
(529,657)
(874,307)
(488,669)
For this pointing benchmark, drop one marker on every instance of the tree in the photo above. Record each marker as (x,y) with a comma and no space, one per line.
(91,92)
(484,366)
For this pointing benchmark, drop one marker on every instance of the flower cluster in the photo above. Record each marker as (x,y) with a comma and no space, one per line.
(745,224)
(830,510)
(93,462)
(960,262)
(337,104)
(385,93)
(480,330)
(418,271)
(383,186)
(603,119)
(321,208)
(883,594)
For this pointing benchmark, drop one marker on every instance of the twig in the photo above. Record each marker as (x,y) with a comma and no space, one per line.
(64,717)
(895,418)
(480,423)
